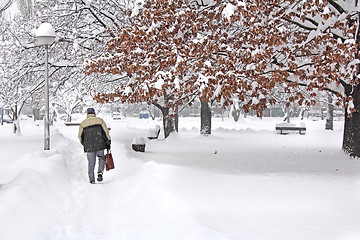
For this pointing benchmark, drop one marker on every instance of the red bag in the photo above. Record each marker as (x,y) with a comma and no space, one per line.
(109,161)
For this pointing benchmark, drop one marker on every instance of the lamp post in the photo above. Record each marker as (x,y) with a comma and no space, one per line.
(46,36)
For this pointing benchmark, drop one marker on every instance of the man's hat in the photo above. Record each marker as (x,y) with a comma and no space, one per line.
(90,111)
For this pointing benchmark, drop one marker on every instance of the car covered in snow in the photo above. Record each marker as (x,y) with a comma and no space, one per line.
(116,116)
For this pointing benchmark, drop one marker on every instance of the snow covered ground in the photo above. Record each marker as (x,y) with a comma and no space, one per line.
(243,182)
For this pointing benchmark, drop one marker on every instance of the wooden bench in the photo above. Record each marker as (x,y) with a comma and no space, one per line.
(69,124)
(72,124)
(153,133)
(286,128)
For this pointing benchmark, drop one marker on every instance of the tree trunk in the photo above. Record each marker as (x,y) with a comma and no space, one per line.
(330,118)
(2,116)
(36,113)
(169,125)
(351,139)
(152,113)
(235,113)
(288,116)
(168,122)
(16,122)
(205,118)
(176,121)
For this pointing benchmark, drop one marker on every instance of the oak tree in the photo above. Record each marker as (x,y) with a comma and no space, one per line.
(165,53)
(300,48)
(251,50)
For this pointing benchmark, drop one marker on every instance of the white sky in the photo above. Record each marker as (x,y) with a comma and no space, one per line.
(12,10)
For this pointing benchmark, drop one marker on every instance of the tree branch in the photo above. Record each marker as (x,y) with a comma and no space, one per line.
(299,24)
(336,6)
(97,18)
(6,6)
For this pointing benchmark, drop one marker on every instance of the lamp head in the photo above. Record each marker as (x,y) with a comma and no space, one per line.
(45,34)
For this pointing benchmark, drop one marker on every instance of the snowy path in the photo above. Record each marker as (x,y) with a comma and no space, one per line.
(93,211)
(131,203)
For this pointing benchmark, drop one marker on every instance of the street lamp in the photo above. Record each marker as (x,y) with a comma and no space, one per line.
(46,36)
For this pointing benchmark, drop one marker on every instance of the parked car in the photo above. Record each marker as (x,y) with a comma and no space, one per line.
(144,115)
(116,116)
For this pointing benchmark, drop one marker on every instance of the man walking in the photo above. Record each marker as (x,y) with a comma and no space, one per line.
(94,136)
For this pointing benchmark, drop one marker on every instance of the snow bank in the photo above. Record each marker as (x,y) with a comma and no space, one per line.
(31,201)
